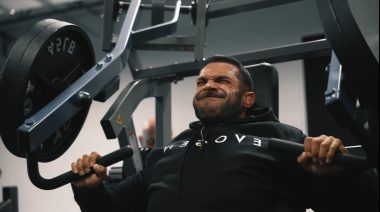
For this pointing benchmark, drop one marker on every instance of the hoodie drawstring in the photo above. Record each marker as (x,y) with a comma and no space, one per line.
(203,144)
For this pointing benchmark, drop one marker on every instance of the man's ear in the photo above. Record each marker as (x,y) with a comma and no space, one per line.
(248,99)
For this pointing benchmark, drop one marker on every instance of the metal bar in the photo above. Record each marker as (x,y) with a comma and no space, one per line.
(163,115)
(157,31)
(169,43)
(120,112)
(61,109)
(335,78)
(129,134)
(200,30)
(173,70)
(183,9)
(342,106)
(344,34)
(11,193)
(297,51)
(232,7)
(6,205)
(158,12)
(108,19)
(25,15)
(291,52)
(117,121)
(134,62)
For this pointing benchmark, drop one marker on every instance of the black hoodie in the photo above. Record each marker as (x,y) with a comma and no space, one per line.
(227,167)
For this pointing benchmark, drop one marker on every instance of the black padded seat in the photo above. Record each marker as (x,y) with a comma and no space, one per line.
(265,85)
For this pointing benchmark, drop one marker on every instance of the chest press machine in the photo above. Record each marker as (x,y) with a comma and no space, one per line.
(47,103)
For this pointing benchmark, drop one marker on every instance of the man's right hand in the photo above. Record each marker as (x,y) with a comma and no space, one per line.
(84,165)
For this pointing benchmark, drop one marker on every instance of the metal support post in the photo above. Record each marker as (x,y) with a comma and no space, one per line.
(341,103)
(10,198)
(163,115)
(200,30)
(128,137)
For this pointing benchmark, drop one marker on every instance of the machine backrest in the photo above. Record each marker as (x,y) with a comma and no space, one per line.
(265,85)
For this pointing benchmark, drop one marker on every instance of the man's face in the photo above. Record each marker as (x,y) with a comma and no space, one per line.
(218,96)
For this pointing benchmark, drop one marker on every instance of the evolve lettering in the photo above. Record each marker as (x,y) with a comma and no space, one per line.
(220,140)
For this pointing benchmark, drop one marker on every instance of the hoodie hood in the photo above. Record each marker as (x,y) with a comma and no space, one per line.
(259,114)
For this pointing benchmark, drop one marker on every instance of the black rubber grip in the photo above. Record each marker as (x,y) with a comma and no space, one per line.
(68,177)
(115,156)
(348,160)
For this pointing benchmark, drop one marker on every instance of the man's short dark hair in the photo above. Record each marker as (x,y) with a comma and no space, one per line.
(244,76)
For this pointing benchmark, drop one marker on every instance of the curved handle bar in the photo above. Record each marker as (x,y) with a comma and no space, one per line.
(348,160)
(153,32)
(63,179)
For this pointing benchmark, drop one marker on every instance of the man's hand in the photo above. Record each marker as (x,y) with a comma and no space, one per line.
(319,154)
(84,165)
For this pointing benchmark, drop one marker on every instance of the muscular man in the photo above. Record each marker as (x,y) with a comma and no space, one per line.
(222,163)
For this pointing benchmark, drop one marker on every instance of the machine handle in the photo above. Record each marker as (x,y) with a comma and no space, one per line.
(348,160)
(68,177)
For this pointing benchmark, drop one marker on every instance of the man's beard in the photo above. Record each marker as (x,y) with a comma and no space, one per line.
(227,112)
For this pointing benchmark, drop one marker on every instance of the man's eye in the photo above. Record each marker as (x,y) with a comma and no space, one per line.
(224,81)
(199,83)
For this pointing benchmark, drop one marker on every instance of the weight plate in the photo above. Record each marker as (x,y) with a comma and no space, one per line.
(44,61)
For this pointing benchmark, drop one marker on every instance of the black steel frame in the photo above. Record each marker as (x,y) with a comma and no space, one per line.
(10,200)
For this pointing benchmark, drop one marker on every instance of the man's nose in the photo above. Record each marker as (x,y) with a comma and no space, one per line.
(210,85)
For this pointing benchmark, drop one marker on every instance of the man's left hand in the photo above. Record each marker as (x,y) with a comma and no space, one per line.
(319,155)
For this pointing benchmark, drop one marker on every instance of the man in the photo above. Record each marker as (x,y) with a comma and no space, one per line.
(148,137)
(222,162)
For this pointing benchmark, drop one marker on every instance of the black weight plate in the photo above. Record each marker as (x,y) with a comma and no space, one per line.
(44,61)
(7,77)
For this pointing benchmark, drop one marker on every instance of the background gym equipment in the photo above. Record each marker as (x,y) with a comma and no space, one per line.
(155,81)
(10,200)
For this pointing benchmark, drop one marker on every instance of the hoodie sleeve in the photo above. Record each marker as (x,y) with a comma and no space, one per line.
(92,199)
(128,195)
(353,190)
